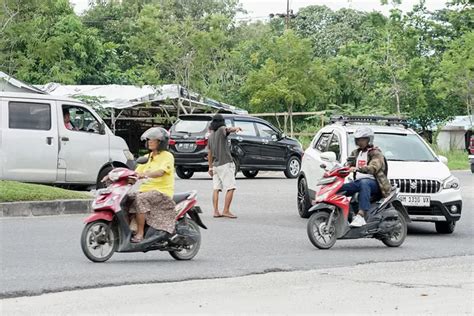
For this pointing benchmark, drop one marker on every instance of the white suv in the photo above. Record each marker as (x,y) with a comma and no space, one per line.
(427,188)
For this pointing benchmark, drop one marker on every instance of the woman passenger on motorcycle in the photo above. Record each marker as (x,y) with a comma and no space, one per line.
(154,203)
(370,178)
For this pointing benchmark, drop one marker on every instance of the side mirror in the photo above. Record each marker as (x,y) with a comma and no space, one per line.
(443,159)
(142,160)
(275,137)
(281,136)
(329,156)
(102,128)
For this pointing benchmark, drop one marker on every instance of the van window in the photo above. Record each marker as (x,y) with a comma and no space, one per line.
(322,143)
(248,129)
(80,119)
(26,115)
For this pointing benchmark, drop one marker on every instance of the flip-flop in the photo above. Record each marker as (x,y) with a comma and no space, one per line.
(217,216)
(229,216)
(136,240)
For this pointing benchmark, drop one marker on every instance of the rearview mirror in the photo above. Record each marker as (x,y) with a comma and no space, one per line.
(329,156)
(142,160)
(102,128)
(443,159)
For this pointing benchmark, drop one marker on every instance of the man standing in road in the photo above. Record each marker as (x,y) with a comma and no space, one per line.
(221,164)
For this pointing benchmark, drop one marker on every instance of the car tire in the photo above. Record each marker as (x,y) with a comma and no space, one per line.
(293,167)
(184,173)
(99,184)
(472,168)
(303,200)
(445,227)
(250,173)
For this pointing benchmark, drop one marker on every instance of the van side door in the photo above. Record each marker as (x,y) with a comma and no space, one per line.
(83,149)
(29,140)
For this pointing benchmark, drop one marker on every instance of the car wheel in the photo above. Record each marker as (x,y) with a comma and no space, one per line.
(184,173)
(303,200)
(472,168)
(293,167)
(445,227)
(250,173)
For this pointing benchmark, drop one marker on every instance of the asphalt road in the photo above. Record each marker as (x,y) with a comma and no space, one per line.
(39,255)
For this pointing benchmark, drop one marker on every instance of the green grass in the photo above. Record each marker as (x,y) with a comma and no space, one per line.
(457,159)
(12,191)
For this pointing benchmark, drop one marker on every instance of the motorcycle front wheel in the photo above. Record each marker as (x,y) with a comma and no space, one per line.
(191,251)
(321,233)
(99,241)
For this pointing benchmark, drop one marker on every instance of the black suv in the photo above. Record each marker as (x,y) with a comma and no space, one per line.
(260,146)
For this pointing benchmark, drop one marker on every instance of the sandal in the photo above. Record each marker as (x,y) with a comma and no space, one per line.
(136,239)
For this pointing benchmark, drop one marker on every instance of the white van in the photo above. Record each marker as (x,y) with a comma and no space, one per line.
(36,146)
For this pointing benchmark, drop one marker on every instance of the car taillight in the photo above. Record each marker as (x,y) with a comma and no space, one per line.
(201,142)
(172,141)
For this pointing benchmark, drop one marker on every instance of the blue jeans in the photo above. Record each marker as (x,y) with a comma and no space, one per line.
(366,188)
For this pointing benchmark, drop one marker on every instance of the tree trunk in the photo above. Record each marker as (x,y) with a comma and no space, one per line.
(291,119)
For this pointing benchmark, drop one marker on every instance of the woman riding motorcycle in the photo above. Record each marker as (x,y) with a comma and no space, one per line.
(370,174)
(154,203)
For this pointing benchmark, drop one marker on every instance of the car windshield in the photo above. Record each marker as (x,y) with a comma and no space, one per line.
(190,126)
(399,147)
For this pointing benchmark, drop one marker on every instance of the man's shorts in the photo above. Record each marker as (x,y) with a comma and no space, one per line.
(224,177)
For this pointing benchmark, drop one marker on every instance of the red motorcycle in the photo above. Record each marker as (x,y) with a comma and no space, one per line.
(332,213)
(108,230)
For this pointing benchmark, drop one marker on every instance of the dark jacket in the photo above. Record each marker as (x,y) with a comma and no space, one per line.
(377,167)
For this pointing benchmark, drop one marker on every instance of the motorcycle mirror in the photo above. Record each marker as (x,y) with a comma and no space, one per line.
(142,160)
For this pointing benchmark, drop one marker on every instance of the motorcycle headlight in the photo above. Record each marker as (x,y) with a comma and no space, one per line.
(128,154)
(325,181)
(451,183)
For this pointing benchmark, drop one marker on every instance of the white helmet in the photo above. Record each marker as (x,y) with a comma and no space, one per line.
(157,133)
(364,132)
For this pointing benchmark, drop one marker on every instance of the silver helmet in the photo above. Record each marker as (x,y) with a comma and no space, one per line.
(364,132)
(157,133)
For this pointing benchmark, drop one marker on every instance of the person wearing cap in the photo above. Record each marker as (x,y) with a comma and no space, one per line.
(221,164)
(370,174)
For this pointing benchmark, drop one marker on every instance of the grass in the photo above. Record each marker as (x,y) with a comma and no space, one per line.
(457,159)
(12,191)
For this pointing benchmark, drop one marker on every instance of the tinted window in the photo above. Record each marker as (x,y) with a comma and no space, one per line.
(322,143)
(399,147)
(335,145)
(191,126)
(25,115)
(265,130)
(247,127)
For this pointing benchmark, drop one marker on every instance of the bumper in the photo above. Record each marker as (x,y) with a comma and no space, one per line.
(193,161)
(440,207)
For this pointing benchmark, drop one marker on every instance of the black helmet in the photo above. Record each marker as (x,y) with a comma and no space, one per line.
(157,133)
(217,121)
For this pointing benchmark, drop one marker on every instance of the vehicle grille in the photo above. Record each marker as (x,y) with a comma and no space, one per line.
(417,186)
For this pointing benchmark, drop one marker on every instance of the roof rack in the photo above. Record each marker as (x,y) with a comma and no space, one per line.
(389,121)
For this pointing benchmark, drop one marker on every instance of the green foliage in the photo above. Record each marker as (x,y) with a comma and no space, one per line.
(417,64)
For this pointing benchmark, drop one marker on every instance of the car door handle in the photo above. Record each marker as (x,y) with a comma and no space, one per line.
(49,140)
(65,139)
(239,138)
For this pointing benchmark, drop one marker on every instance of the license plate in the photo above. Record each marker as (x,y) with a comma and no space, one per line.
(415,200)
(186,147)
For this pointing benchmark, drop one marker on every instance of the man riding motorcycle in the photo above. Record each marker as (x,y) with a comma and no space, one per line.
(370,174)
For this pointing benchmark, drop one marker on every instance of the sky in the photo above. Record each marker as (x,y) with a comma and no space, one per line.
(260,9)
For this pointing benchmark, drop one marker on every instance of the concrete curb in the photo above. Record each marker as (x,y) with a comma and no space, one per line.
(41,208)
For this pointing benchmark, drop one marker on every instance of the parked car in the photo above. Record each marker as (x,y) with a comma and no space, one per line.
(471,153)
(36,146)
(427,188)
(260,146)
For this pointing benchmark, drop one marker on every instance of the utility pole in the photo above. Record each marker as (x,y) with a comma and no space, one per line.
(288,15)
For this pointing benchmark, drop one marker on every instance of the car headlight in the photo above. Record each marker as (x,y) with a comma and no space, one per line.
(451,183)
(128,154)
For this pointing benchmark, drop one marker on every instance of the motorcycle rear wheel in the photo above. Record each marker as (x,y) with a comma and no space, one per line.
(99,241)
(319,234)
(188,254)
(397,237)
